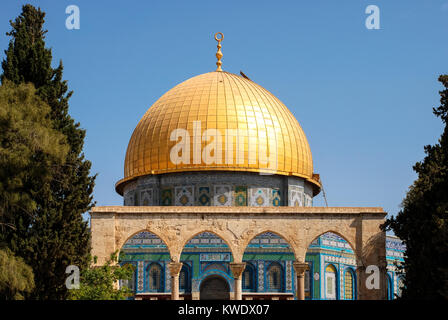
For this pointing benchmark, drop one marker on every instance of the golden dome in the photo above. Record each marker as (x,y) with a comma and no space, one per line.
(222,101)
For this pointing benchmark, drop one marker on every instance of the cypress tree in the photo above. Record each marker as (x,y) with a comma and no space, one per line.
(422,223)
(28,148)
(16,278)
(58,235)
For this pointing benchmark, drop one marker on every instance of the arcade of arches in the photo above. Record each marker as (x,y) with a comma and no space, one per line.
(182,232)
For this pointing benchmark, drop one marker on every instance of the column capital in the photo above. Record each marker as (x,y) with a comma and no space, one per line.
(175,268)
(300,267)
(237,269)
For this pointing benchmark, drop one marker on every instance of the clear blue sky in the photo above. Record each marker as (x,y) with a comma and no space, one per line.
(363,97)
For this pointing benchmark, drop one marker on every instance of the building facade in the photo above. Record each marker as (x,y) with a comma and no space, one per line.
(218,194)
(268,274)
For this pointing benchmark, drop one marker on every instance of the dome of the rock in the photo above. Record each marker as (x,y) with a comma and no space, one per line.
(223,101)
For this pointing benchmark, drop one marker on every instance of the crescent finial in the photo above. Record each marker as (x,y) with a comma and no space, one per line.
(219,53)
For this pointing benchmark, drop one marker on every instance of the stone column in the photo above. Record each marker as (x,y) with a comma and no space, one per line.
(237,272)
(300,269)
(175,268)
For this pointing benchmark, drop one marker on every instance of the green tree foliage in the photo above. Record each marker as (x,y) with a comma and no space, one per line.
(59,234)
(16,277)
(101,283)
(28,148)
(422,223)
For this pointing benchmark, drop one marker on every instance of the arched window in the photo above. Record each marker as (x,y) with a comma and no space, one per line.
(184,279)
(349,285)
(154,277)
(390,287)
(274,277)
(248,278)
(330,282)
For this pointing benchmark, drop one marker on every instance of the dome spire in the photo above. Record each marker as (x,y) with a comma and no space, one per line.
(219,53)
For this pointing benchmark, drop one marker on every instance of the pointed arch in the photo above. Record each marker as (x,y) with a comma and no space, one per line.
(317,236)
(197,233)
(321,233)
(269,231)
(191,237)
(215,286)
(163,244)
(249,278)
